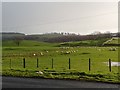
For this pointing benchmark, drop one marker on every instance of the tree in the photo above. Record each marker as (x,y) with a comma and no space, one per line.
(18,40)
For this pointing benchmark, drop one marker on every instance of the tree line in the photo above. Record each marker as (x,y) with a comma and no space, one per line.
(56,37)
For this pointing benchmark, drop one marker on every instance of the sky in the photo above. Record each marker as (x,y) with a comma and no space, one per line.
(72,17)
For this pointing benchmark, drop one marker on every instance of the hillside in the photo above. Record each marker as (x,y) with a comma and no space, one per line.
(57,37)
(26,43)
(10,35)
(84,43)
(112,42)
(29,43)
(37,37)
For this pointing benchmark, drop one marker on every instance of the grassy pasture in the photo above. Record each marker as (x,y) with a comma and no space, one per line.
(113,42)
(98,42)
(31,50)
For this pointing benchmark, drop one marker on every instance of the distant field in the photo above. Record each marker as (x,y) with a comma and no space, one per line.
(45,52)
(26,43)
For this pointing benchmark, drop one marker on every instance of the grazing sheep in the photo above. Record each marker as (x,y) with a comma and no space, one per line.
(99,49)
(46,51)
(74,51)
(67,52)
(41,54)
(40,72)
(56,51)
(68,47)
(112,49)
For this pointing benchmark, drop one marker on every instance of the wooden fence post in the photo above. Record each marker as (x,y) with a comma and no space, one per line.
(110,65)
(69,64)
(10,63)
(52,63)
(23,62)
(37,63)
(89,64)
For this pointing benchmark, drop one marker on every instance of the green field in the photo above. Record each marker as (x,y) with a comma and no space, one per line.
(45,52)
(113,42)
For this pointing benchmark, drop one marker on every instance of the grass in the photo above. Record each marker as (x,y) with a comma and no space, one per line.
(26,43)
(98,42)
(67,74)
(113,42)
(78,56)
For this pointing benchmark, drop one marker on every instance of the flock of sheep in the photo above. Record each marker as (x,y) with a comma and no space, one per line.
(70,50)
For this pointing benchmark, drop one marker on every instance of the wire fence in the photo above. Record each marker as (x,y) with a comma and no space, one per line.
(51,63)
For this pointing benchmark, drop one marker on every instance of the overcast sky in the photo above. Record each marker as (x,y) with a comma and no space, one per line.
(44,17)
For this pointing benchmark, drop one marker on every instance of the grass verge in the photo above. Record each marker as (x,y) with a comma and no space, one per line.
(67,75)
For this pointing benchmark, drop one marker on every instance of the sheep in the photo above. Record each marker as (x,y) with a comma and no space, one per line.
(40,72)
(112,49)
(41,54)
(56,51)
(99,49)
(46,51)
(67,52)
(34,54)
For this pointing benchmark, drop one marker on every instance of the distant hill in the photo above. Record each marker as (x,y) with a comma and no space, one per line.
(56,37)
(10,35)
(43,37)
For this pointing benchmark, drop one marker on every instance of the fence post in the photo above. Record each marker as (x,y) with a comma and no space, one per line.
(52,63)
(23,62)
(89,64)
(110,65)
(69,63)
(10,63)
(37,63)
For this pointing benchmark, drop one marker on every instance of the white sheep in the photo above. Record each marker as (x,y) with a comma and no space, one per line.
(41,53)
(40,72)
(56,51)
(47,51)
